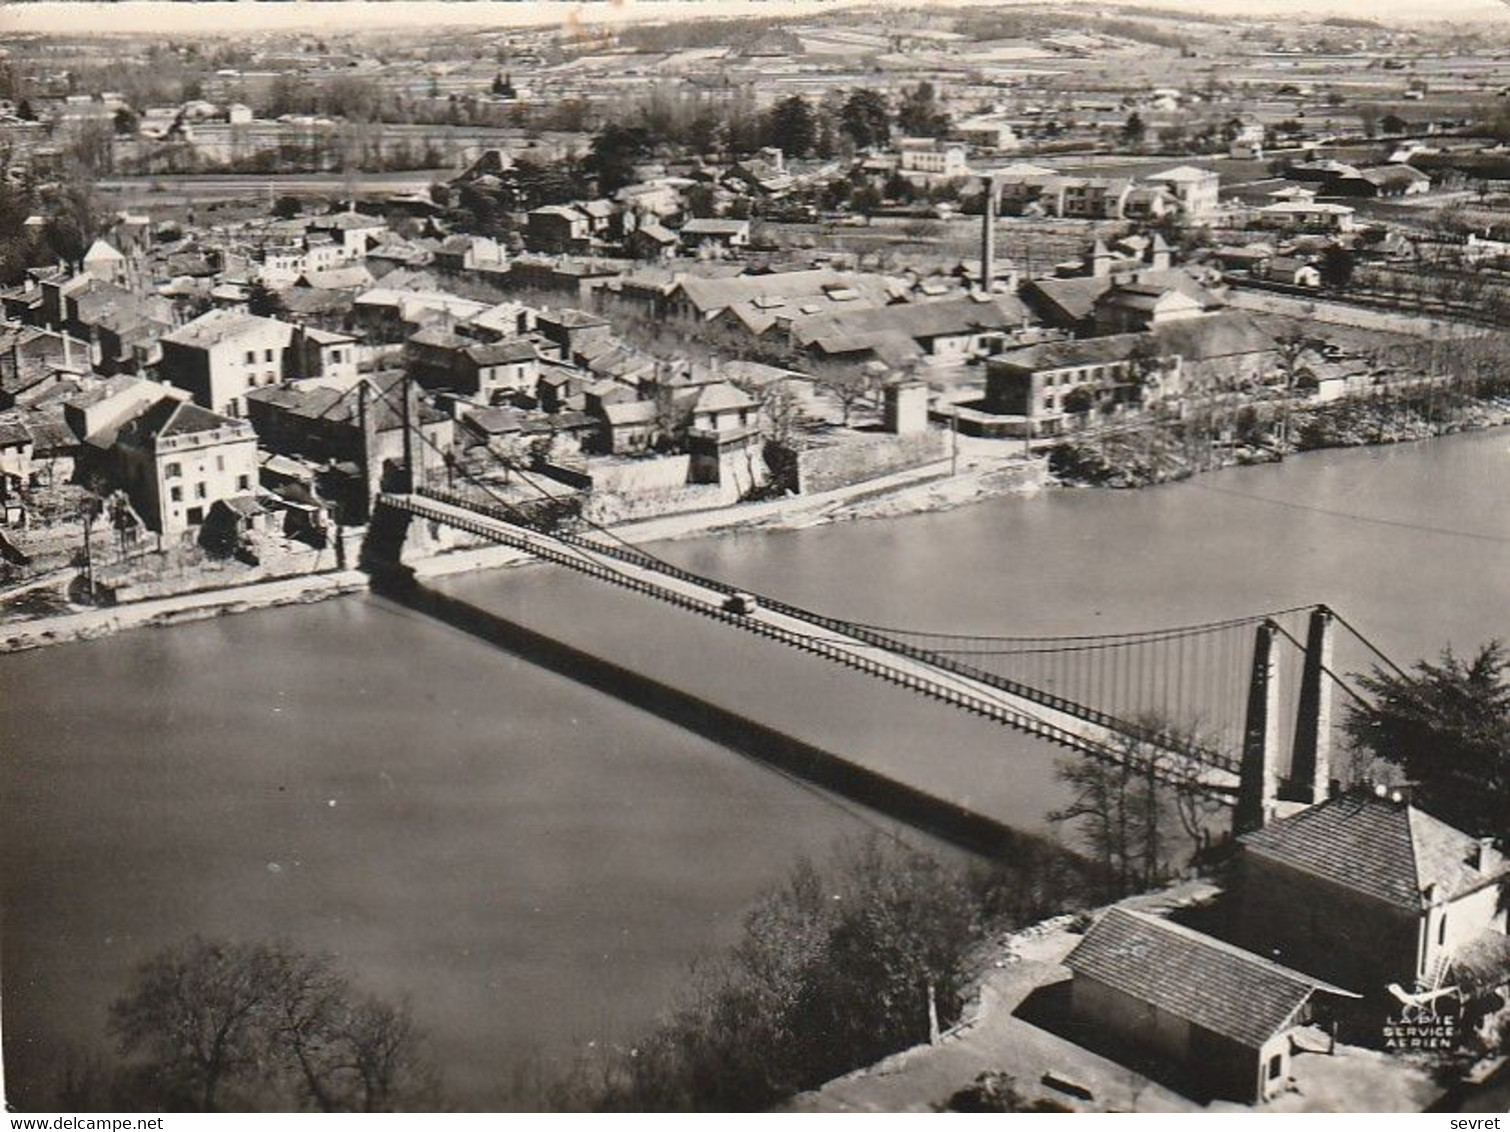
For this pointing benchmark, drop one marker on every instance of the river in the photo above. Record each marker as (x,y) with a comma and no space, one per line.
(535,865)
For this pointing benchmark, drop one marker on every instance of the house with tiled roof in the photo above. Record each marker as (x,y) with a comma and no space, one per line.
(355,433)
(715,232)
(224,353)
(557,228)
(175,459)
(1367,889)
(353,232)
(1219,1017)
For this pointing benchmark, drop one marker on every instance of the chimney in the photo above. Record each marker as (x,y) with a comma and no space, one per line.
(988,237)
(1483,854)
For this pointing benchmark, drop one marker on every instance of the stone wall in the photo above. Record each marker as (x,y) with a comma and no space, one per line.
(865,458)
(607,508)
(631,477)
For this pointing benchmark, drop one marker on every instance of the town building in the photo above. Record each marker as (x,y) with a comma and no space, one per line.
(1368,889)
(933,157)
(354,437)
(1055,386)
(223,354)
(352,232)
(715,234)
(1196,190)
(1220,1019)
(1307,216)
(176,458)
(556,228)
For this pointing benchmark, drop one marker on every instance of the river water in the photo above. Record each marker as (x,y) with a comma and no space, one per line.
(534,864)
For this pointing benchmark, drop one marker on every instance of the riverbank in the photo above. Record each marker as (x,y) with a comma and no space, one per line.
(1165,453)
(92,624)
(983,474)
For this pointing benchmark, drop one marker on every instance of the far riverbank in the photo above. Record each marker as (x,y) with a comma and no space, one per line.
(919,490)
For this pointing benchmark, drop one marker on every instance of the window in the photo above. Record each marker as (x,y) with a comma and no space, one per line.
(195,516)
(173,470)
(1276,1066)
(251,357)
(176,494)
(267,355)
(1442,930)
(335,357)
(220,463)
(243,483)
(199,491)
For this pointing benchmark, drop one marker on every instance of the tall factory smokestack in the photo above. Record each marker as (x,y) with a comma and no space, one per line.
(988,238)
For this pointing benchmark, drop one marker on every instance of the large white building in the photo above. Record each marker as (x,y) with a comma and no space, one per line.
(1197,190)
(927,155)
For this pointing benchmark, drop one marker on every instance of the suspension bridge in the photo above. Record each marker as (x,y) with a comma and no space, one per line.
(1239,710)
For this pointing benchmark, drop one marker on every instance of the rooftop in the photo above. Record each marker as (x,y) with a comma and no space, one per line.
(224,325)
(1205,981)
(1390,851)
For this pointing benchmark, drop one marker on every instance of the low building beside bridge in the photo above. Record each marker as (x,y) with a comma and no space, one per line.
(1218,1017)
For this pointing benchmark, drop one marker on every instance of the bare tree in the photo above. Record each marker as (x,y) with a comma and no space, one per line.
(194,1014)
(849,385)
(1291,351)
(1127,807)
(212,1026)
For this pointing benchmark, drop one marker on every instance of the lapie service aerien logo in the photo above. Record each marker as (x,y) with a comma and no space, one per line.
(1424,1021)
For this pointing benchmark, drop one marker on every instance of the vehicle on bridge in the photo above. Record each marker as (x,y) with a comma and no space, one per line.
(741,603)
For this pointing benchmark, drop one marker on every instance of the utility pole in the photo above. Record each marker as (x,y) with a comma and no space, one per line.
(954,441)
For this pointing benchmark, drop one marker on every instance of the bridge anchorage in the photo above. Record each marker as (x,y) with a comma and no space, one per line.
(1238,710)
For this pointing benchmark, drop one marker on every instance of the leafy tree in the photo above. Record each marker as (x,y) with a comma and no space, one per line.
(701,201)
(25,112)
(919,114)
(193,1014)
(1393,124)
(615,152)
(1336,266)
(792,126)
(264,301)
(866,118)
(125,121)
(1133,130)
(287,207)
(78,217)
(1447,726)
(503,86)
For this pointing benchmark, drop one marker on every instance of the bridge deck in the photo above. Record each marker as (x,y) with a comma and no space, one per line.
(936,678)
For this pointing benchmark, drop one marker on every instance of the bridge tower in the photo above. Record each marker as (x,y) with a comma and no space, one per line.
(1259,779)
(1311,753)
